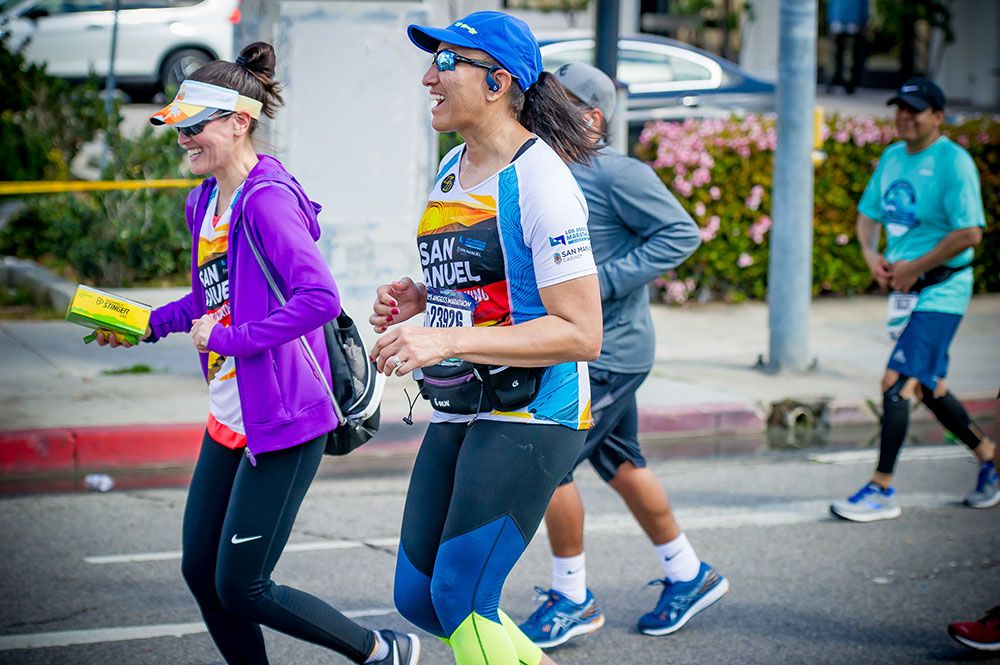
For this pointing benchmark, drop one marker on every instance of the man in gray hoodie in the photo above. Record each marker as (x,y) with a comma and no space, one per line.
(638,231)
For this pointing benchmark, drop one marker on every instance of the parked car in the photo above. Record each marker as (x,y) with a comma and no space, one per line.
(160,42)
(667,79)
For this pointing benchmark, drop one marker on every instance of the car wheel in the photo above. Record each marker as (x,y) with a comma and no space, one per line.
(179,65)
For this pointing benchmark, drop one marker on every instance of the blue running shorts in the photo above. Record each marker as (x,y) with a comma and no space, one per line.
(922,349)
(614,437)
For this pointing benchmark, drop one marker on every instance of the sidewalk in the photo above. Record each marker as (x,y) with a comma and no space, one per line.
(61,413)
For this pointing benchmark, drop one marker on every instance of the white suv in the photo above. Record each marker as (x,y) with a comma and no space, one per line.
(160,42)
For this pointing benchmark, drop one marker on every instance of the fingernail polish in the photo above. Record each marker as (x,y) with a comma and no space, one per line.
(388,318)
(395,311)
(394,303)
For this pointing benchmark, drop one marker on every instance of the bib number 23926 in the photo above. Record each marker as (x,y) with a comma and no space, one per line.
(447,308)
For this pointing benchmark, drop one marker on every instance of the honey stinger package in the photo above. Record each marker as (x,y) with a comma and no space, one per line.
(106,312)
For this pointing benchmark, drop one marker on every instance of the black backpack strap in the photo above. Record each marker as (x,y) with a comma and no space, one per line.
(272,283)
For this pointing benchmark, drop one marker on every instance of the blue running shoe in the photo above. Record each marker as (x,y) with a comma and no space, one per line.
(987,492)
(868,504)
(680,601)
(558,619)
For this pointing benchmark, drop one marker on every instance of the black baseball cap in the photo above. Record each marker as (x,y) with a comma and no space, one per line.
(919,93)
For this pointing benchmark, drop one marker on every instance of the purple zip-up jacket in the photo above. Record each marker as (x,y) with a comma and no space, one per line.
(283,400)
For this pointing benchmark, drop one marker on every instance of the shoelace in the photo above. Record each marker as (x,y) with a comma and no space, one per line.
(678,602)
(863,492)
(992,618)
(985,477)
(542,594)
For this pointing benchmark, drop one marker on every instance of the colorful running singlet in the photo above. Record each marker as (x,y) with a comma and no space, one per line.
(486,252)
(225,417)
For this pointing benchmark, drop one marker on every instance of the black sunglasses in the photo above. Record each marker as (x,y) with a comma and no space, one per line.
(199,127)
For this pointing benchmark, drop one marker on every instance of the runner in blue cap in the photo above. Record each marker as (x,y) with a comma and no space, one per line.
(512,312)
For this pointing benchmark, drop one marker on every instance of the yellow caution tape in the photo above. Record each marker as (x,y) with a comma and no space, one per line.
(54,186)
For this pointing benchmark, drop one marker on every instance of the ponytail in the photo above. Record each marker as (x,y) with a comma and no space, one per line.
(252,75)
(545,109)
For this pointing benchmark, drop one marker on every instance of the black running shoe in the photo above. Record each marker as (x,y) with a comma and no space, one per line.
(403,649)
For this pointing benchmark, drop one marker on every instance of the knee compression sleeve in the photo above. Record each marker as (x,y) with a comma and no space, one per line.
(895,421)
(950,413)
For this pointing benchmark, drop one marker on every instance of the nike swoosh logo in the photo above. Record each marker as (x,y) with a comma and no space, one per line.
(237,541)
(574,572)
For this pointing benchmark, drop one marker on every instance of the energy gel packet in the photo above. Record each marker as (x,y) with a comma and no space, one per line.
(108,313)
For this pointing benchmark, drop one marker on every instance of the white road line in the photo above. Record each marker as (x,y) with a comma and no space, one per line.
(950,451)
(693,519)
(65,638)
(779,514)
(291,547)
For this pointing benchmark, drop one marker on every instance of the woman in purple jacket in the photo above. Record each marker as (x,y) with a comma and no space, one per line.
(269,411)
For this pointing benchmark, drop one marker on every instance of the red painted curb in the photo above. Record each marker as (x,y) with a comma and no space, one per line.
(70,450)
(699,420)
(32,451)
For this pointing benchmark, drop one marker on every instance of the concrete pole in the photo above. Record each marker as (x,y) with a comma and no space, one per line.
(110,85)
(790,268)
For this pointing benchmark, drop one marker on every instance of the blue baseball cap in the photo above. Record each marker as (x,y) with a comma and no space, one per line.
(506,39)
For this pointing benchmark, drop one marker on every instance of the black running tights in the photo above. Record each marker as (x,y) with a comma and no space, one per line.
(236,523)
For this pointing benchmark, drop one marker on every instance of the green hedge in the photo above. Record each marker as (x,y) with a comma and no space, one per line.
(720,170)
(43,121)
(112,238)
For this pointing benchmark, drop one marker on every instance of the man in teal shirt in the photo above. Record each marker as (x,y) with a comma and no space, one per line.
(925,192)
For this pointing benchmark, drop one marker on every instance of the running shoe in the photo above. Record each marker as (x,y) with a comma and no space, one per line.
(868,504)
(403,649)
(558,619)
(987,492)
(982,635)
(680,601)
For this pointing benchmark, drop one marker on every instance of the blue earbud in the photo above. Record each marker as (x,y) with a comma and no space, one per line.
(491,82)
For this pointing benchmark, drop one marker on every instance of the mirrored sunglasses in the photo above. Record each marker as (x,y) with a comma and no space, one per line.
(199,127)
(445,61)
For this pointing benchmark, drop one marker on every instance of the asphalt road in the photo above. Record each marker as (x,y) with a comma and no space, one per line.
(806,588)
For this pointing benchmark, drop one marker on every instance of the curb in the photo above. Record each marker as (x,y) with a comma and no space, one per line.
(76,450)
(46,288)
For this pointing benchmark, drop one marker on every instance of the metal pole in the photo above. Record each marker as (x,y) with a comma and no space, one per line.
(790,268)
(606,37)
(110,85)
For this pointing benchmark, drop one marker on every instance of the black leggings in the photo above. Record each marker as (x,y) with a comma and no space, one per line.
(236,522)
(896,420)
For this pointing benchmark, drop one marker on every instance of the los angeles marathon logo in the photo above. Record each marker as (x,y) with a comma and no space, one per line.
(571,237)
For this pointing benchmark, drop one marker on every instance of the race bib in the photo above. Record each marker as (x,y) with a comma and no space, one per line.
(900,308)
(447,308)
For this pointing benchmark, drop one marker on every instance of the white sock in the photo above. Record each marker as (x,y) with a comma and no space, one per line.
(381,651)
(569,577)
(679,561)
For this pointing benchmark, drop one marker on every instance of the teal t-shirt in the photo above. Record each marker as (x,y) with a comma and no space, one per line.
(921,198)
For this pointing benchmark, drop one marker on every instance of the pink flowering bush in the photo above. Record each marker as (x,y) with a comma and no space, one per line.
(720,170)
